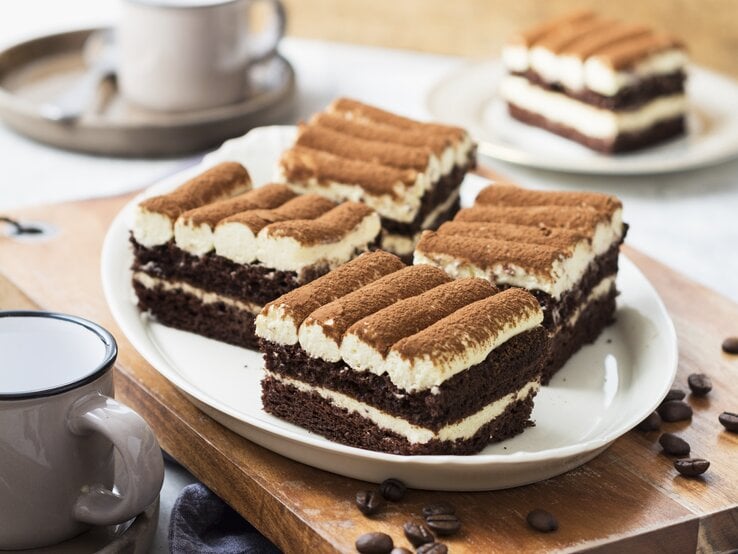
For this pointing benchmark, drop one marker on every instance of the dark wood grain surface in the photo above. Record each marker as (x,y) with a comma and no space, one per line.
(629,498)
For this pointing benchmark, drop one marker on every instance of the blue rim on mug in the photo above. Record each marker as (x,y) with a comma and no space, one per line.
(111,353)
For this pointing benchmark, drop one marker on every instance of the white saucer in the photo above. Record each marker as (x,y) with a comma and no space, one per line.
(468,98)
(601,393)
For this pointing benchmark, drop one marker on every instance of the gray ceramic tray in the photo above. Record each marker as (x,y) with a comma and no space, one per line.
(35,72)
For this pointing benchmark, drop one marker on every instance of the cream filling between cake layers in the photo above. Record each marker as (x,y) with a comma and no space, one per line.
(238,243)
(426,372)
(585,118)
(460,430)
(592,73)
(564,274)
(601,290)
(206,297)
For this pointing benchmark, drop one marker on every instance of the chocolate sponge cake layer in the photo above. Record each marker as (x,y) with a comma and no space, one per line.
(215,320)
(337,424)
(510,367)
(623,142)
(248,282)
(566,340)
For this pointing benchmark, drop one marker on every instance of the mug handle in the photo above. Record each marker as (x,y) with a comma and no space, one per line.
(139,450)
(264,45)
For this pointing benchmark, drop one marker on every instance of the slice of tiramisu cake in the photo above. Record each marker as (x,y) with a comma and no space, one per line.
(210,254)
(409,172)
(402,359)
(561,246)
(610,85)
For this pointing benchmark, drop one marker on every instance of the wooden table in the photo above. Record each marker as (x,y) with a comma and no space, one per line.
(628,498)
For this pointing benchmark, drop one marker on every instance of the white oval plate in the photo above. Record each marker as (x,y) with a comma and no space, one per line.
(468,98)
(601,393)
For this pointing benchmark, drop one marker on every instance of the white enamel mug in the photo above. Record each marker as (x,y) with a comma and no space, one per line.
(177,55)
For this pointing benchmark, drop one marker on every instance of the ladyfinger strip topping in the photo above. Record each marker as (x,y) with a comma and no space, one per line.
(308,206)
(485,254)
(622,55)
(221,181)
(511,195)
(532,234)
(347,146)
(266,197)
(532,35)
(380,132)
(328,228)
(593,43)
(358,110)
(582,218)
(300,164)
(381,330)
(281,318)
(565,36)
(336,317)
(465,337)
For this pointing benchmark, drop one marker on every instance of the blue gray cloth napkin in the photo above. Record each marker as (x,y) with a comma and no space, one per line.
(201,522)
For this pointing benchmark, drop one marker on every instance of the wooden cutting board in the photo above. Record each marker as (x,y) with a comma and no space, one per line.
(628,498)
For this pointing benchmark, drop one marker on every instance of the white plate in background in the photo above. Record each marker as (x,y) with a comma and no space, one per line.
(601,393)
(468,98)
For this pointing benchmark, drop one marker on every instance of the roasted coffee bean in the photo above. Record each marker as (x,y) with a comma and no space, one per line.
(730,345)
(368,502)
(651,423)
(374,543)
(542,521)
(729,421)
(400,550)
(691,467)
(432,548)
(443,524)
(392,489)
(438,508)
(673,445)
(674,394)
(699,383)
(675,410)
(417,533)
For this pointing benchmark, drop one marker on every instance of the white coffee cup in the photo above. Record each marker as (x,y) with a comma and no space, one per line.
(177,55)
(59,428)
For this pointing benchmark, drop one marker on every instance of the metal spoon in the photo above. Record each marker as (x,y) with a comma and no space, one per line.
(101,59)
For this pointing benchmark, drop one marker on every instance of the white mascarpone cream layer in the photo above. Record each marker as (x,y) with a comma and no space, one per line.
(592,73)
(585,118)
(237,242)
(463,429)
(602,289)
(206,297)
